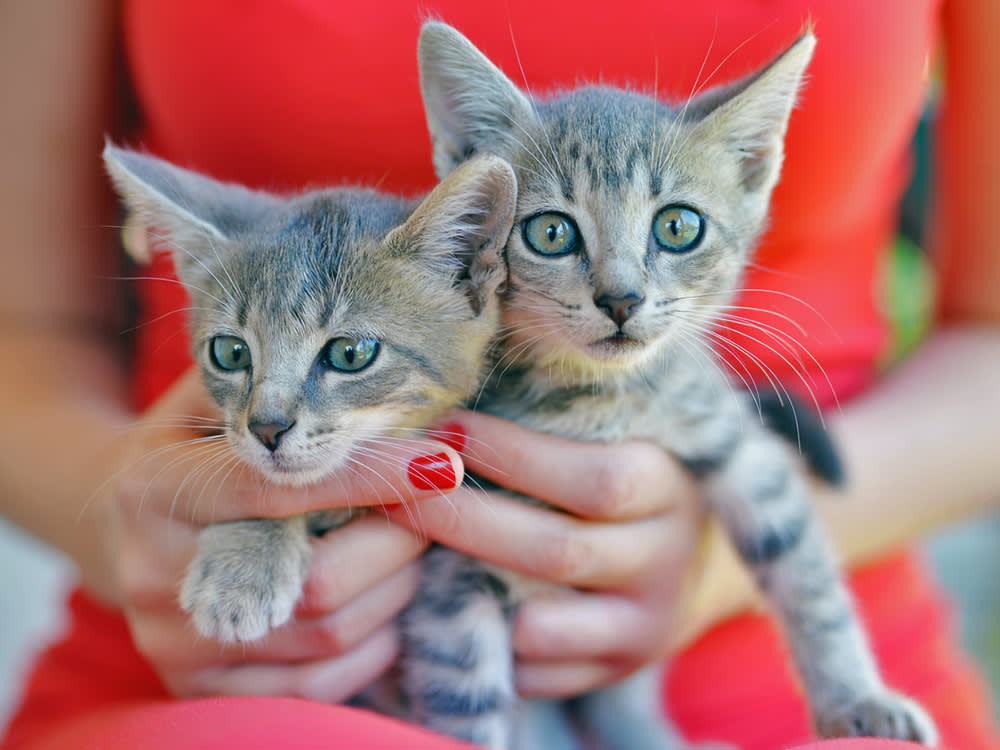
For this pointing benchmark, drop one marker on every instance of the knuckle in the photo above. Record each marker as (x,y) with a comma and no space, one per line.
(130,490)
(323,589)
(143,595)
(131,583)
(134,580)
(616,485)
(444,520)
(564,557)
(331,636)
(515,452)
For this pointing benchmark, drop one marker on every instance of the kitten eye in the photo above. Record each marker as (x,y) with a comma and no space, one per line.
(678,229)
(349,354)
(550,234)
(229,353)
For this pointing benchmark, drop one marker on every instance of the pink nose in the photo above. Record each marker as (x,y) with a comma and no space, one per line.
(619,309)
(270,433)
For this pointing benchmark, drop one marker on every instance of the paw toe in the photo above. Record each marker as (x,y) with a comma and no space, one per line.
(888,716)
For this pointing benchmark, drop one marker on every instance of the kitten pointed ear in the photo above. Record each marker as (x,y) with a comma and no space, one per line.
(195,213)
(471,106)
(463,226)
(750,117)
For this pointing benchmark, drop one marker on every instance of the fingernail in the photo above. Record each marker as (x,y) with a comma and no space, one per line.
(451,434)
(432,472)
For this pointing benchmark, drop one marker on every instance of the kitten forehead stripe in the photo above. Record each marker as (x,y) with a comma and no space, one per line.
(424,363)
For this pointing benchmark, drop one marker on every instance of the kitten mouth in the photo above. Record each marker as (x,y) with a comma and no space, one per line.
(283,470)
(616,345)
(294,475)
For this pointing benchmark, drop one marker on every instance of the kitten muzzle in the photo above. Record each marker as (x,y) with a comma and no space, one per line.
(270,433)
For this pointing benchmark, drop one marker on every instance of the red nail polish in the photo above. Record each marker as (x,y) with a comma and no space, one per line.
(432,472)
(451,434)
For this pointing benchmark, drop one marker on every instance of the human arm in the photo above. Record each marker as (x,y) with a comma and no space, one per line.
(919,447)
(116,490)
(56,296)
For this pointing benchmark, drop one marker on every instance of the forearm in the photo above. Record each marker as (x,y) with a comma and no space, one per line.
(921,448)
(64,409)
(920,452)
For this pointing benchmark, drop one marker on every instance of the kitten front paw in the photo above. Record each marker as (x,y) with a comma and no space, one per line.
(246,578)
(888,715)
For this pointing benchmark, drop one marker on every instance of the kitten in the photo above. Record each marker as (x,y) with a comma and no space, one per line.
(634,225)
(318,321)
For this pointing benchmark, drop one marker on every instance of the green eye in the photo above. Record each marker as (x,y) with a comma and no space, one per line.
(349,354)
(678,229)
(551,234)
(229,353)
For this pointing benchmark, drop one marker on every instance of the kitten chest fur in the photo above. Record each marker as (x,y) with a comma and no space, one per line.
(673,400)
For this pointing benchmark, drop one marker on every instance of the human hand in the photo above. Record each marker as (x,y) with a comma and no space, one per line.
(175,476)
(625,546)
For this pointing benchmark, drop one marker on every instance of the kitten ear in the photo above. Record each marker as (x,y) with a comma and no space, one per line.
(750,117)
(196,213)
(464,224)
(471,106)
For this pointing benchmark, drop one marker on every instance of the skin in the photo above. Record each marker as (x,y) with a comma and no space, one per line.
(116,501)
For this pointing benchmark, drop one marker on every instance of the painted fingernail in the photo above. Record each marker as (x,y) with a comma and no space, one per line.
(451,434)
(432,472)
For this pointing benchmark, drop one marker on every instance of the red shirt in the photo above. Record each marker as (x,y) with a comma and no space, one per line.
(290,93)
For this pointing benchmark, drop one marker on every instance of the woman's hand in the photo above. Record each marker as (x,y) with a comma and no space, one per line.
(175,478)
(625,545)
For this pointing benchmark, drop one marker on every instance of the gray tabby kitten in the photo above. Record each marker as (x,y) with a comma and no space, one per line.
(633,227)
(318,321)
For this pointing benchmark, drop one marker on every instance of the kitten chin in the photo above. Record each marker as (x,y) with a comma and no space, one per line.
(619,350)
(573,359)
(294,464)
(296,476)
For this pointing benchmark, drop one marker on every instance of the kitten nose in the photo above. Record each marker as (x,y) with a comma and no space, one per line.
(270,433)
(619,309)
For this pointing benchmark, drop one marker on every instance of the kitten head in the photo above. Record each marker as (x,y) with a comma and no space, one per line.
(331,317)
(635,219)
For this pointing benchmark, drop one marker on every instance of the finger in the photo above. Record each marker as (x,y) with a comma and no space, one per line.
(167,636)
(593,480)
(546,544)
(315,638)
(348,561)
(562,680)
(586,627)
(326,681)
(206,484)
(152,562)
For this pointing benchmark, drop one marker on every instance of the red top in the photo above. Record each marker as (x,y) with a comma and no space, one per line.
(288,93)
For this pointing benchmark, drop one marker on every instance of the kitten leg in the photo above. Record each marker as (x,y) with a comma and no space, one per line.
(246,577)
(765,506)
(457,667)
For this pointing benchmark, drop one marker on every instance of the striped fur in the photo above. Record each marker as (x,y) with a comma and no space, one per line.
(287,276)
(607,342)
